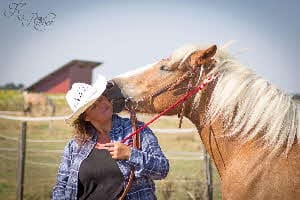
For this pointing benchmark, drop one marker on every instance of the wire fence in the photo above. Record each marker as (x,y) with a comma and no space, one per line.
(8,153)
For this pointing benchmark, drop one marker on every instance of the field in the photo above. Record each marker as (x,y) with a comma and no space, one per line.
(185,179)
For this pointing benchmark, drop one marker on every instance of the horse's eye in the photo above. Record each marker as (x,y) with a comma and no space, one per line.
(163,67)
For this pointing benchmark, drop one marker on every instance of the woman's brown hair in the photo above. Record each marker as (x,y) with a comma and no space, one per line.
(82,129)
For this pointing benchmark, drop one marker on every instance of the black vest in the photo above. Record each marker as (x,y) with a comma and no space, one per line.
(99,177)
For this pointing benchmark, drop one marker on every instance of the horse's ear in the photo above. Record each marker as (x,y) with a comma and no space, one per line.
(203,56)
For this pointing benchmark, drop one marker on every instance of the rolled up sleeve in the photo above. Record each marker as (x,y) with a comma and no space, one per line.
(149,160)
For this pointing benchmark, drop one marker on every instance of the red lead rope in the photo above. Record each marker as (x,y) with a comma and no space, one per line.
(182,99)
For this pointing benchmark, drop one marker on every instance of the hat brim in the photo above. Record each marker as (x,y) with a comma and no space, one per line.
(70,119)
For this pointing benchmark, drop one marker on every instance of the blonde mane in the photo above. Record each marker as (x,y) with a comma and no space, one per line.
(249,105)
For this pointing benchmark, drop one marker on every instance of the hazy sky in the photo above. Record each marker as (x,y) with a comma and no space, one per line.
(125,35)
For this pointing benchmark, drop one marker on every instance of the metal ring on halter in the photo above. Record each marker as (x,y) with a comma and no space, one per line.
(129,103)
(127,100)
(136,104)
(190,74)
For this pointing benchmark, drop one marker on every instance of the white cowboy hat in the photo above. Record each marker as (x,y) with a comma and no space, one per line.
(82,95)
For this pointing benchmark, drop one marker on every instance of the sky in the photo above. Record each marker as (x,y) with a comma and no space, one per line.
(125,35)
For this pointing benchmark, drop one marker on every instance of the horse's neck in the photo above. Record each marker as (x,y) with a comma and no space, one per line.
(220,148)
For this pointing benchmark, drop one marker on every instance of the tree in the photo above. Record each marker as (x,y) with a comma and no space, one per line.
(12,86)
(296,96)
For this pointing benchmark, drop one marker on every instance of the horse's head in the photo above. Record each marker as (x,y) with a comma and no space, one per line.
(158,85)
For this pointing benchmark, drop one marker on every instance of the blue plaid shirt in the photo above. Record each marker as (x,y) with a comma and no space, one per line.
(149,163)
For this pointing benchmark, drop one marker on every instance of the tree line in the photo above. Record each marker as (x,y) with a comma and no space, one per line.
(12,86)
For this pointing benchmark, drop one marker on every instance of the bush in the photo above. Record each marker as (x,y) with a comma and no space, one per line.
(11,100)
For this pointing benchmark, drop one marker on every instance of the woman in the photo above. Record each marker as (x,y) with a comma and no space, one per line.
(95,165)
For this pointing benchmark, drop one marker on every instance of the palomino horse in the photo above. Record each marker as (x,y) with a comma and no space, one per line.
(38,100)
(249,127)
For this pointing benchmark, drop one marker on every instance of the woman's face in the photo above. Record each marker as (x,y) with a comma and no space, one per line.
(100,111)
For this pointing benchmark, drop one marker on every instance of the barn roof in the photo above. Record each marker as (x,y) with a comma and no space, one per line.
(82,63)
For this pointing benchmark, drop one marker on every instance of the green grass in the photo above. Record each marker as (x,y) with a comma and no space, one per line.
(12,100)
(185,178)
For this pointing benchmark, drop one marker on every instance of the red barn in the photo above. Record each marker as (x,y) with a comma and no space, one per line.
(61,80)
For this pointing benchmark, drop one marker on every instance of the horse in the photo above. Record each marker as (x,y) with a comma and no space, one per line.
(38,100)
(249,127)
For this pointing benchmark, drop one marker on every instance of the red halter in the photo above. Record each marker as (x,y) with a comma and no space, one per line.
(193,91)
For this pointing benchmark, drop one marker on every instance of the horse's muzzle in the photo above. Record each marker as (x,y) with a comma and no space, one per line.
(114,94)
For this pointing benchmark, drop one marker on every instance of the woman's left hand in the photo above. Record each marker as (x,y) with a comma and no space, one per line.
(118,150)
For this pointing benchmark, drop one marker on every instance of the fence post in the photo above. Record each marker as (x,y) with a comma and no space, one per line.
(208,175)
(21,161)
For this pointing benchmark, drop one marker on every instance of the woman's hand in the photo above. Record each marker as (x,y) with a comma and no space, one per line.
(118,150)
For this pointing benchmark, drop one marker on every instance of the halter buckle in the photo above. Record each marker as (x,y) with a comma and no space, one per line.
(130,104)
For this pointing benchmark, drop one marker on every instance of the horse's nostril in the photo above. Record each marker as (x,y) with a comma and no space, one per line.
(110,84)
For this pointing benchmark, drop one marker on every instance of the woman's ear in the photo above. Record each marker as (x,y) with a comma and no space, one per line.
(84,117)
